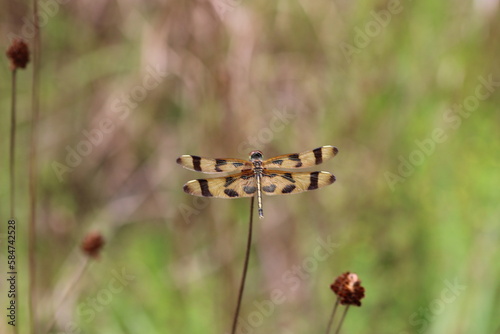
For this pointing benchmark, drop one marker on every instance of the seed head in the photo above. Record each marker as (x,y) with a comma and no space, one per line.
(348,288)
(92,244)
(18,54)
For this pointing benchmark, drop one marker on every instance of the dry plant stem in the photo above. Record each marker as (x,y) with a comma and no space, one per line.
(11,162)
(342,320)
(35,99)
(71,286)
(245,268)
(12,144)
(332,316)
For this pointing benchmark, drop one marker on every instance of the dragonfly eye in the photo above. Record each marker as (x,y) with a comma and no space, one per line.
(256,155)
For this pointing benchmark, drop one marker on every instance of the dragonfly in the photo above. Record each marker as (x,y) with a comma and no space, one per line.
(256,176)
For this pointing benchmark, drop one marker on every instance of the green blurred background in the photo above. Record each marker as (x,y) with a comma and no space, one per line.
(398,86)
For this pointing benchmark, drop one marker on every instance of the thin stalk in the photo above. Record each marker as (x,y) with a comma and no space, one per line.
(12,156)
(35,99)
(12,144)
(245,269)
(332,316)
(342,320)
(77,277)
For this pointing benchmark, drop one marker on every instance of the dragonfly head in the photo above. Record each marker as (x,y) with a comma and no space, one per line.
(255,155)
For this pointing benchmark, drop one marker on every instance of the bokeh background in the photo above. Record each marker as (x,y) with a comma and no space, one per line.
(400,87)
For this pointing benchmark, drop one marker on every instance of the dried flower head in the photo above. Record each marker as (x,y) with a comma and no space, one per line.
(92,244)
(348,288)
(18,54)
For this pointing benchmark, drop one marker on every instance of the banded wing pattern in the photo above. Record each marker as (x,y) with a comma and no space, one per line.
(254,177)
(209,165)
(302,160)
(276,182)
(234,186)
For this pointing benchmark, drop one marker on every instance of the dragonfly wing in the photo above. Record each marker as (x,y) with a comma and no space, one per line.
(302,160)
(233,186)
(276,182)
(209,165)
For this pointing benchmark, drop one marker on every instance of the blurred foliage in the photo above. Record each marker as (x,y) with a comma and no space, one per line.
(374,78)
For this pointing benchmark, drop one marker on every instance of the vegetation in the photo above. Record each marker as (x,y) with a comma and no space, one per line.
(407,90)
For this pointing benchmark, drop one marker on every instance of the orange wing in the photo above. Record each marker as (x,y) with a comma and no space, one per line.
(209,165)
(302,160)
(233,186)
(276,182)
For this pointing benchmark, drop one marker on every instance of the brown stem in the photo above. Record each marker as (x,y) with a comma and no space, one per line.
(245,269)
(65,294)
(12,157)
(35,100)
(12,154)
(332,316)
(342,320)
